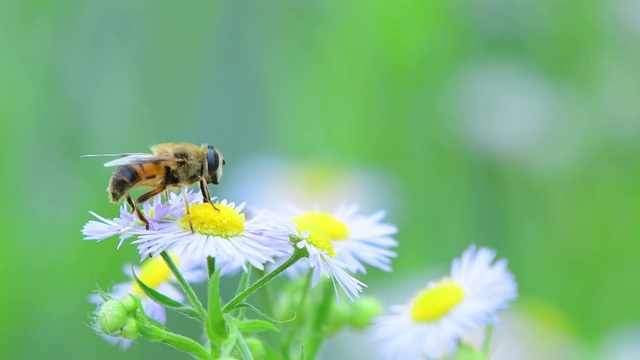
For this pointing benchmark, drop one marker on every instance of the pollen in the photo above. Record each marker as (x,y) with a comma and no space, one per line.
(153,273)
(317,237)
(336,229)
(221,221)
(434,303)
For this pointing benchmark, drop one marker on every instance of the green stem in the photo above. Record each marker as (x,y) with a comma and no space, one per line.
(185,285)
(318,333)
(216,326)
(211,265)
(297,255)
(243,285)
(294,328)
(487,340)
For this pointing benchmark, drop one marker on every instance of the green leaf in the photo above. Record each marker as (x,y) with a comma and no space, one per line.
(216,325)
(167,301)
(261,314)
(186,345)
(188,290)
(255,325)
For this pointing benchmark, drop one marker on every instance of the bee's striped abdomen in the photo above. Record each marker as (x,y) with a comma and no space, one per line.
(123,179)
(127,176)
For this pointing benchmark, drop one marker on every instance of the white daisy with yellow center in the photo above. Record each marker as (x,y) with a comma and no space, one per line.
(358,239)
(127,224)
(433,323)
(221,231)
(321,258)
(155,273)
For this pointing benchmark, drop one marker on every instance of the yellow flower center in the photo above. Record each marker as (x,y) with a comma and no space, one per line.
(153,273)
(434,303)
(223,222)
(336,229)
(317,237)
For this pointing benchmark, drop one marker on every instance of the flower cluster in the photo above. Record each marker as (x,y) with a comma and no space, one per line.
(188,241)
(337,245)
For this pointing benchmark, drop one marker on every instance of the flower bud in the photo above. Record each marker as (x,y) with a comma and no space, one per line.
(112,316)
(256,347)
(363,310)
(286,307)
(338,318)
(130,329)
(131,303)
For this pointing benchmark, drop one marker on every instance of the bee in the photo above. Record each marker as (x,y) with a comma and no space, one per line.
(170,165)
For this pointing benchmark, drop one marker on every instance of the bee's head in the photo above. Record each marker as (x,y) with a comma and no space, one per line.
(214,164)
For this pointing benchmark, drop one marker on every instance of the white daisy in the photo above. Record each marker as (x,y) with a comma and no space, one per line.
(155,274)
(357,239)
(222,232)
(127,224)
(322,258)
(106,228)
(432,324)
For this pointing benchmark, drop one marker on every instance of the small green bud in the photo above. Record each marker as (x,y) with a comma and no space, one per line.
(338,318)
(256,347)
(286,307)
(130,329)
(363,310)
(131,303)
(112,316)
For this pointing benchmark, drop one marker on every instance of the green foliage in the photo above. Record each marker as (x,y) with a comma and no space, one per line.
(357,84)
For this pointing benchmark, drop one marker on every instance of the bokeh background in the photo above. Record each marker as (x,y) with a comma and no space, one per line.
(509,124)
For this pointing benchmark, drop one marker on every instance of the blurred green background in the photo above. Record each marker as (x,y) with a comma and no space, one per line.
(510,124)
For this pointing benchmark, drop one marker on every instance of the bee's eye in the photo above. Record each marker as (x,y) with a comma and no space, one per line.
(213,161)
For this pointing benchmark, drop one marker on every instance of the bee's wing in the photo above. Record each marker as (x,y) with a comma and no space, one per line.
(136,158)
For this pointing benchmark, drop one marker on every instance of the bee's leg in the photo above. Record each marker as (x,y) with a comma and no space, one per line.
(186,207)
(206,195)
(141,217)
(145,197)
(135,209)
(131,204)
(166,196)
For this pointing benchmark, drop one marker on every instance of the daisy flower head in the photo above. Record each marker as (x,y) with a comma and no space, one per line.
(221,231)
(154,273)
(432,324)
(357,239)
(127,224)
(322,257)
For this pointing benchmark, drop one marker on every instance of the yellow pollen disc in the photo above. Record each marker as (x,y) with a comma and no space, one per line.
(317,237)
(223,222)
(432,304)
(336,229)
(153,273)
